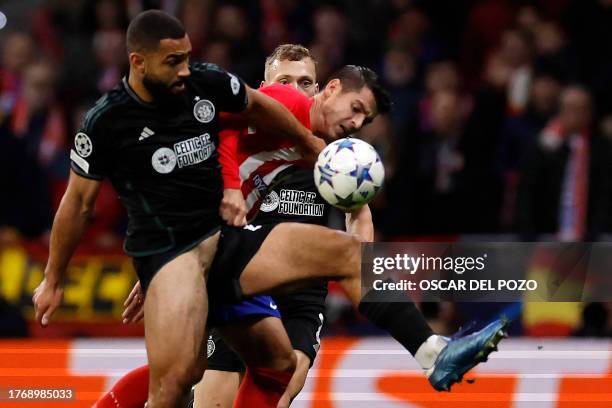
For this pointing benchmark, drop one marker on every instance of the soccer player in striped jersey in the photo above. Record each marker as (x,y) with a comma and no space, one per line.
(279,257)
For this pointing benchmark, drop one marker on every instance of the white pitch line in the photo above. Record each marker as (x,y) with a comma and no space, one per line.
(373,397)
(535,354)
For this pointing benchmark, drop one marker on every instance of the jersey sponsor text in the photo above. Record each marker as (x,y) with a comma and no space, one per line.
(295,202)
(193,151)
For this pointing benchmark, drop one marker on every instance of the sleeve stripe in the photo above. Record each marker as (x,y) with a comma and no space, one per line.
(79,161)
(77,170)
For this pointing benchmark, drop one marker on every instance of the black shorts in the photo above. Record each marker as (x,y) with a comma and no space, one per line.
(147,266)
(304,332)
(237,246)
(303,329)
(221,356)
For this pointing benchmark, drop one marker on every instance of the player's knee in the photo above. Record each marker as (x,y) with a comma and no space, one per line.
(285,362)
(195,373)
(176,383)
(291,362)
(170,393)
(301,372)
(303,365)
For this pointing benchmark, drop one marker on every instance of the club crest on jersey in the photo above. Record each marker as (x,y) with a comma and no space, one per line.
(82,144)
(204,111)
(163,160)
(235,84)
(270,202)
(210,347)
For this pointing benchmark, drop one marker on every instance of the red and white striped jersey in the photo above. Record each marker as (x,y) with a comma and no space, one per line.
(259,155)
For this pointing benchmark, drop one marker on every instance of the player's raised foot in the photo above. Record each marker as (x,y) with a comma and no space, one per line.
(463,353)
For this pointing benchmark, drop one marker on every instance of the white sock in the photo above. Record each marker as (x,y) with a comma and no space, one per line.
(428,352)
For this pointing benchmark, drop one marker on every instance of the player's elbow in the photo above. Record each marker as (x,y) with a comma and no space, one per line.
(86,210)
(255,102)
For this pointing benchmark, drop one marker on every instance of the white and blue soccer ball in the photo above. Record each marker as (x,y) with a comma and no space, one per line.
(348,173)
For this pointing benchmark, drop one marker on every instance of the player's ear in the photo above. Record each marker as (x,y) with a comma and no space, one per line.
(332,87)
(137,61)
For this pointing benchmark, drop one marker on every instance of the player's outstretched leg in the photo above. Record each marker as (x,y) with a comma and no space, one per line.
(175,314)
(292,255)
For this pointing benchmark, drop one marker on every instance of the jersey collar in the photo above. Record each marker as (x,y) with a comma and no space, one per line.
(133,94)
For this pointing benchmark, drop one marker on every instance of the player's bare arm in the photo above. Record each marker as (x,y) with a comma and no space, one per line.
(264,111)
(69,224)
(359,222)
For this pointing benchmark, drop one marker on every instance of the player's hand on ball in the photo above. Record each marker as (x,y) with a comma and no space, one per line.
(47,298)
(134,305)
(233,208)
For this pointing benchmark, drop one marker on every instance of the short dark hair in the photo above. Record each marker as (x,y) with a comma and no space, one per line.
(148,28)
(354,78)
(289,52)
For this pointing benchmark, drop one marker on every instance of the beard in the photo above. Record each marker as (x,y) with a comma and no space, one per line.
(162,93)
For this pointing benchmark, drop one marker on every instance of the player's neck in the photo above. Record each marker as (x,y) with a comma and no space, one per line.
(316,114)
(139,88)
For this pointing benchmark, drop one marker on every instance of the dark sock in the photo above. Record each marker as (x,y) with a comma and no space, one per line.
(395,313)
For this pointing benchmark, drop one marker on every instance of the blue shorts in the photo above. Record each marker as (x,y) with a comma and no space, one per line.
(223,314)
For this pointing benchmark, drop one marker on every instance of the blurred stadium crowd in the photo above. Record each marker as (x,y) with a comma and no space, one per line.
(502,119)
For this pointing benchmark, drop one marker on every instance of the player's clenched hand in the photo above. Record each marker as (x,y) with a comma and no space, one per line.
(233,208)
(134,305)
(47,297)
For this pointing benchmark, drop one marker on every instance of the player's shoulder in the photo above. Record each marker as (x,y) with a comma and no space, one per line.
(284,90)
(285,94)
(106,109)
(205,67)
(210,75)
(207,71)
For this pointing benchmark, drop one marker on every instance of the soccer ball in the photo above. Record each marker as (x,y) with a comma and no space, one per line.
(348,173)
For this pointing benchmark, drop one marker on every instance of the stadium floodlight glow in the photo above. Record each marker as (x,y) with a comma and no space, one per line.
(2,20)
